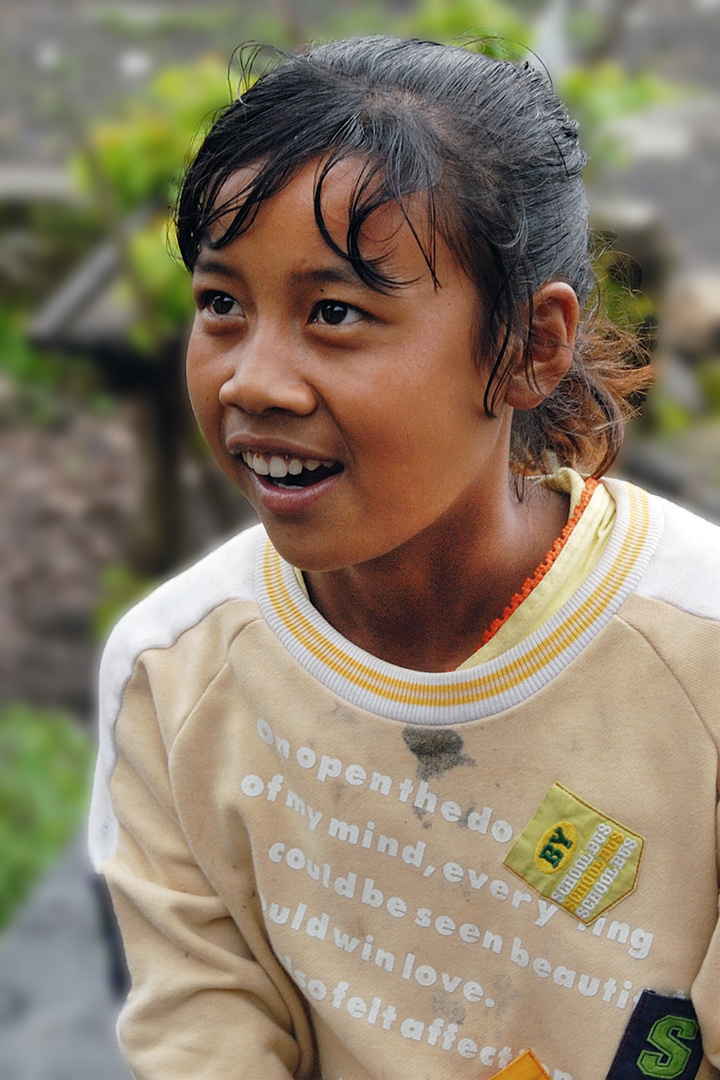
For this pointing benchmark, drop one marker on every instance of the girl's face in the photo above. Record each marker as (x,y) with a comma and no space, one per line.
(352,420)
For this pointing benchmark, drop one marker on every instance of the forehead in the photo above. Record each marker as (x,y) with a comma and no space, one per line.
(242,185)
(387,231)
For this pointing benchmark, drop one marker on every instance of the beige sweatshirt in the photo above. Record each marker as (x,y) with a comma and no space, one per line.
(327,866)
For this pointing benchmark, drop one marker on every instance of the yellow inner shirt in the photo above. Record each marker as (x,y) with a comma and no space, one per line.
(575,562)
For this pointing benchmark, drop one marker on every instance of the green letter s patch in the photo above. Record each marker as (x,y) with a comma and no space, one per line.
(665,1036)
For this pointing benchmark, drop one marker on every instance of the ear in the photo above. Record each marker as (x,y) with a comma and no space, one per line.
(554,324)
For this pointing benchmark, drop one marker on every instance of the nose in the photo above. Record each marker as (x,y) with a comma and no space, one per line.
(265,374)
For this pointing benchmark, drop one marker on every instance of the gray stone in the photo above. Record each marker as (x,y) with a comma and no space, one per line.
(57,1009)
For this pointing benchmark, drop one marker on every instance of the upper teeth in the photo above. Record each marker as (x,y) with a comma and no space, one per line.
(278,467)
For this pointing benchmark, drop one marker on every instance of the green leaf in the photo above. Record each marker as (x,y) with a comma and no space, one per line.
(45,767)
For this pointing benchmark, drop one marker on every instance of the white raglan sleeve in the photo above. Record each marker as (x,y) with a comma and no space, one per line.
(209,1000)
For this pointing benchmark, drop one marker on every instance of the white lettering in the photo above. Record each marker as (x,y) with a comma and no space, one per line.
(252,786)
(451,811)
(265,732)
(546,912)
(472,991)
(355,775)
(499,889)
(305,757)
(467,1048)
(328,768)
(317,989)
(356,1007)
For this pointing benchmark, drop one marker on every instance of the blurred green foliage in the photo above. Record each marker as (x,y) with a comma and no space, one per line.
(619,280)
(164,280)
(119,588)
(39,244)
(148,21)
(19,360)
(142,149)
(496,26)
(45,764)
(144,146)
(138,156)
(708,375)
(600,93)
(40,384)
(668,416)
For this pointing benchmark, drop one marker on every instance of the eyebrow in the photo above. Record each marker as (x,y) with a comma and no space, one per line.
(205,264)
(323,275)
(328,275)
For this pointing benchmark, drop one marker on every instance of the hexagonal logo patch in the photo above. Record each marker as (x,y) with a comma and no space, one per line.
(576,856)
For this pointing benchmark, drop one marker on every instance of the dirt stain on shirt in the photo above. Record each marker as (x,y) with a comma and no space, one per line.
(437,750)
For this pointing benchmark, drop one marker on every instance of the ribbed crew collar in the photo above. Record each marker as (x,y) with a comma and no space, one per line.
(488,688)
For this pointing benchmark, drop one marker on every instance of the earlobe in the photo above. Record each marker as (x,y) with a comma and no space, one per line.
(554,325)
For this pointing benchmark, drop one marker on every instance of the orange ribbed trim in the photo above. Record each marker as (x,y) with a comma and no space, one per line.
(588,491)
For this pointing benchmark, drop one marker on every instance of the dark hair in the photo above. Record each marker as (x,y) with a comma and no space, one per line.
(494,155)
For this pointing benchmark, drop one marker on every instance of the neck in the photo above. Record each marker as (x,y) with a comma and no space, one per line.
(426,604)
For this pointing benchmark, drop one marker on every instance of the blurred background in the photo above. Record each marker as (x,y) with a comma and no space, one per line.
(105,487)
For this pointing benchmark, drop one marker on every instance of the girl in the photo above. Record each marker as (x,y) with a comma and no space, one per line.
(418,778)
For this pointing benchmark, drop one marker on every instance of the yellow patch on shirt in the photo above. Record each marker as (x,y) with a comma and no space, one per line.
(576,856)
(526,1067)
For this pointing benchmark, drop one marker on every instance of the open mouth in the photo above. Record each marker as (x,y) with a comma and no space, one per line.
(288,472)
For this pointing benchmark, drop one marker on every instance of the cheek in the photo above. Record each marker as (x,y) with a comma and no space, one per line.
(205,408)
(201,379)
(195,387)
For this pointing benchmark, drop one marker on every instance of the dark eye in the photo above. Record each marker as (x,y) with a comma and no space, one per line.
(221,303)
(335,313)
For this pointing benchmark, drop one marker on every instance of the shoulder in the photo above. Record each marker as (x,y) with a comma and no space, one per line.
(157,621)
(685,568)
(675,607)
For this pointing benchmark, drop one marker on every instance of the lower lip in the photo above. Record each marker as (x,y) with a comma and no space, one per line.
(278,500)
